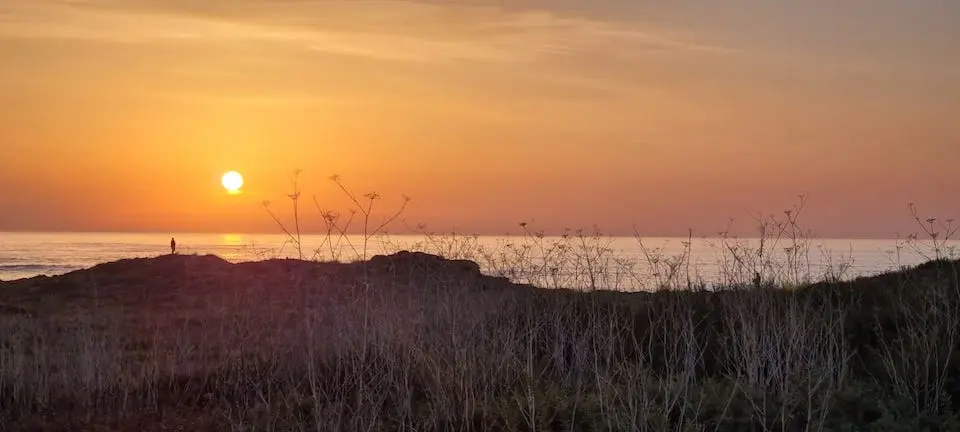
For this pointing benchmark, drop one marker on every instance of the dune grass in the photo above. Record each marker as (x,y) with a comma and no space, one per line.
(408,344)
(415,351)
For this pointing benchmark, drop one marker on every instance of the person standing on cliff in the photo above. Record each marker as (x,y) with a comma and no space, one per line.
(173,246)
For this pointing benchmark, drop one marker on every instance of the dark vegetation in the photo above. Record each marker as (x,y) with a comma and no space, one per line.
(413,341)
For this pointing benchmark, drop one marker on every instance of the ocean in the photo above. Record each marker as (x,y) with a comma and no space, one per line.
(25,255)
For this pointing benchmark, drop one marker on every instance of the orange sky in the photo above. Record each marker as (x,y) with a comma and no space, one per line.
(121,115)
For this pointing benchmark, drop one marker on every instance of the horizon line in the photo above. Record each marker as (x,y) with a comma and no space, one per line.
(714,235)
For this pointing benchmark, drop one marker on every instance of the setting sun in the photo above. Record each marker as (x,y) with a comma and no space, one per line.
(232,182)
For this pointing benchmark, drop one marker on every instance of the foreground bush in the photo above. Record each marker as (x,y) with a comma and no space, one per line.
(414,342)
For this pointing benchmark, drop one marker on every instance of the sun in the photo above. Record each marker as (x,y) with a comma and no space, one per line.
(232,182)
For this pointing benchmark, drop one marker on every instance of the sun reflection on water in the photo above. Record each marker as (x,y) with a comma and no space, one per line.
(231,240)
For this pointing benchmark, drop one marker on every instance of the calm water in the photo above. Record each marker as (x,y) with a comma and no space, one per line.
(25,255)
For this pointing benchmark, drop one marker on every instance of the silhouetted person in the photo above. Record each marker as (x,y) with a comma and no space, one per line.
(173,246)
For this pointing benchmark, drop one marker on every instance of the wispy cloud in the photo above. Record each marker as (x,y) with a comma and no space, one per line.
(397,31)
(271,53)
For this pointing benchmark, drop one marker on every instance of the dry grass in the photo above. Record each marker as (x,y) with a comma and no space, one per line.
(410,346)
(415,343)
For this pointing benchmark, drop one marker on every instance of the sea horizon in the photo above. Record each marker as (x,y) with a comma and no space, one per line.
(507,233)
(37,253)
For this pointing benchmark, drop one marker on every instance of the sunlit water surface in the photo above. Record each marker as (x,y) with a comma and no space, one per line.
(24,255)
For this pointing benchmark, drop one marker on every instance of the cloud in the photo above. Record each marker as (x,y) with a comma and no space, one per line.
(271,52)
(394,31)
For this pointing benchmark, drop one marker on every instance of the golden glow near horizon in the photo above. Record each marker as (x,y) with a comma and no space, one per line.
(232,181)
(232,240)
(663,115)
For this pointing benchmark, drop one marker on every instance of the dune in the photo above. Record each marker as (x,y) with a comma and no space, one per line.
(415,341)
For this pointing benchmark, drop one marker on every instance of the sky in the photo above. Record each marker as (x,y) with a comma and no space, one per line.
(121,115)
